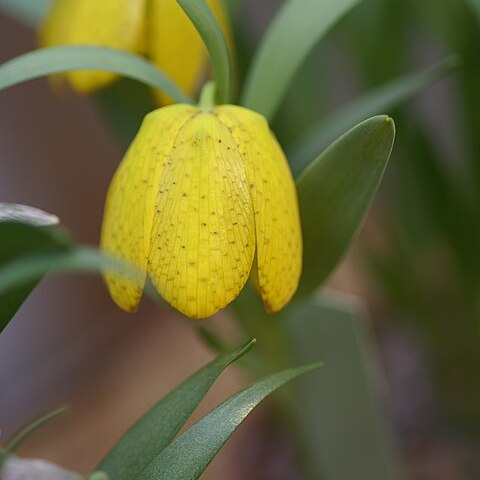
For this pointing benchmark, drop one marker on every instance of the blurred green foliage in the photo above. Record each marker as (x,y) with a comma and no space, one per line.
(427,266)
(423,259)
(425,263)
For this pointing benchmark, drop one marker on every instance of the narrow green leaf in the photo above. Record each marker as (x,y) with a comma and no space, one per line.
(19,239)
(79,259)
(378,100)
(207,26)
(347,436)
(335,192)
(32,427)
(29,12)
(155,430)
(191,453)
(295,30)
(48,61)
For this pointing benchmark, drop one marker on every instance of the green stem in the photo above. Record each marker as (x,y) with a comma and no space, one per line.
(208,28)
(207,96)
(32,427)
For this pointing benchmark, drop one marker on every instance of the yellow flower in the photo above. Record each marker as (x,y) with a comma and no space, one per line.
(158,28)
(108,23)
(201,197)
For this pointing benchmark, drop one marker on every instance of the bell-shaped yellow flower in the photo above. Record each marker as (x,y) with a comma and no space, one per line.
(201,197)
(158,28)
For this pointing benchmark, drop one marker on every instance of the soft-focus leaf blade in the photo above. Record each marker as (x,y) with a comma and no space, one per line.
(48,61)
(335,192)
(191,453)
(32,427)
(212,35)
(347,436)
(19,239)
(29,12)
(79,259)
(156,429)
(475,5)
(295,30)
(378,100)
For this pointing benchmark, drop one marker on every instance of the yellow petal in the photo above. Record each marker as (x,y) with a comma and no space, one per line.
(277,220)
(203,237)
(108,23)
(130,204)
(176,47)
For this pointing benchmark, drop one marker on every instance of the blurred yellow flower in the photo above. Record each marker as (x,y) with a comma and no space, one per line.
(201,197)
(158,28)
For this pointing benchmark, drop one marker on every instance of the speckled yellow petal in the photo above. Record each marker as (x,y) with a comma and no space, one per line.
(130,204)
(277,220)
(108,23)
(175,46)
(203,237)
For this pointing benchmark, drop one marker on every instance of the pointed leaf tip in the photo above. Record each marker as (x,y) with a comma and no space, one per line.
(153,432)
(335,193)
(188,456)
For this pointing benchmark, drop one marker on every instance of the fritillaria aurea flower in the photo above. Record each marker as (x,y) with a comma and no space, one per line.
(159,29)
(203,197)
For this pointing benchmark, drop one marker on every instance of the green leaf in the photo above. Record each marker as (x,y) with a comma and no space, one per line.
(20,239)
(295,30)
(207,26)
(32,427)
(48,61)
(341,416)
(378,100)
(155,430)
(30,12)
(335,192)
(79,259)
(191,453)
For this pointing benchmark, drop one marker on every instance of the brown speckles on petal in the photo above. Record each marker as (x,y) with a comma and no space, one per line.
(214,222)
(130,205)
(277,220)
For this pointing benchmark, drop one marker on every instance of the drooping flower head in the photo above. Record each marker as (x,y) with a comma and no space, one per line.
(202,197)
(157,28)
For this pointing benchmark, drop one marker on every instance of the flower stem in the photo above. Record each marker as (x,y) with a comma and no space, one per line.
(207,96)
